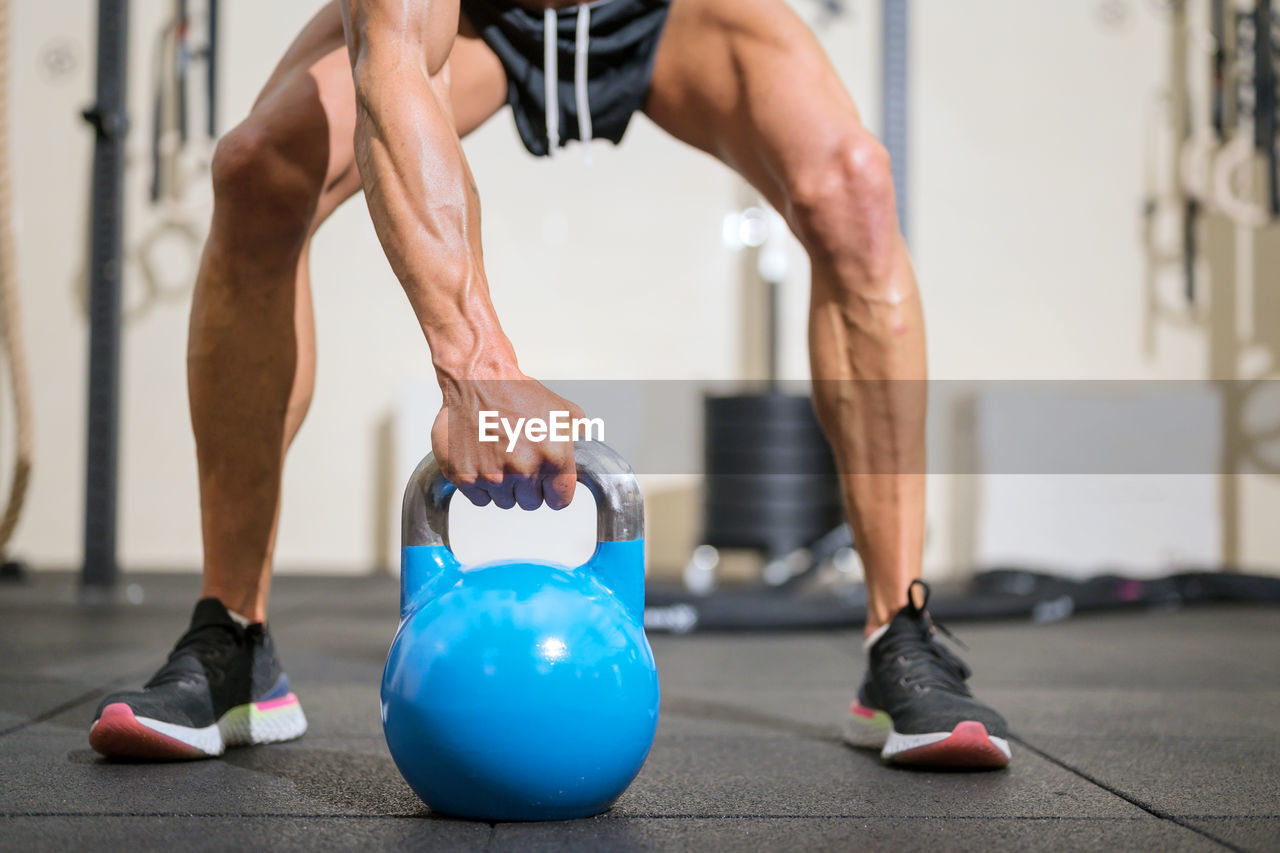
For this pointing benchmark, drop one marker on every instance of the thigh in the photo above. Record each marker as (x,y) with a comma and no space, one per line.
(478,83)
(747,81)
(307,106)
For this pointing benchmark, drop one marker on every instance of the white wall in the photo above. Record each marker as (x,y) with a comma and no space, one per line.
(1028,174)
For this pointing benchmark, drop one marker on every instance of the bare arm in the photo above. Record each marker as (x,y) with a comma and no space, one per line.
(419,189)
(426,210)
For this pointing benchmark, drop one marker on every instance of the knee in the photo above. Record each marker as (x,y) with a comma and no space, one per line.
(263,192)
(843,208)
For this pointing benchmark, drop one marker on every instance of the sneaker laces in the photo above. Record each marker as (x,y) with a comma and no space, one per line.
(929,662)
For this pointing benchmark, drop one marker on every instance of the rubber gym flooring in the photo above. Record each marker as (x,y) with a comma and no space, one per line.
(1155,730)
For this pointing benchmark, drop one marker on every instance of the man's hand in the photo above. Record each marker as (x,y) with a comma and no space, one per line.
(528,474)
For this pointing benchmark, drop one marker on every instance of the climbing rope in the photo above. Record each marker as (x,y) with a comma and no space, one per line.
(10,318)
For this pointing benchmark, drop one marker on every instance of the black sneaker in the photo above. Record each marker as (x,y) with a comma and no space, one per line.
(221,687)
(913,704)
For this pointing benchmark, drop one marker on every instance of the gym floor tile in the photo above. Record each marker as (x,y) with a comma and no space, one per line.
(709,776)
(1139,712)
(1257,833)
(854,833)
(25,702)
(87,648)
(58,774)
(814,712)
(218,834)
(776,661)
(1208,648)
(1211,775)
(1137,730)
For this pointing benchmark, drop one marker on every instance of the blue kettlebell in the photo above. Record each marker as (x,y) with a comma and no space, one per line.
(522,690)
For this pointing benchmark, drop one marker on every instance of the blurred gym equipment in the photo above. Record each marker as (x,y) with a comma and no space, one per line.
(1007,593)
(109,119)
(180,158)
(110,123)
(770,482)
(895,55)
(1206,205)
(1257,49)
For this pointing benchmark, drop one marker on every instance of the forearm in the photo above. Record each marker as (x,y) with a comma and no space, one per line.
(426,211)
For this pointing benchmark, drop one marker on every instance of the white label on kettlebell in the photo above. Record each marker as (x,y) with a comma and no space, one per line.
(559,427)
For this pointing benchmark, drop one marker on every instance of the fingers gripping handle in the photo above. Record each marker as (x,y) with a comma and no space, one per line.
(619,504)
(428,564)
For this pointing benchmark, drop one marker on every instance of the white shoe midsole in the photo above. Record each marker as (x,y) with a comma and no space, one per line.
(897,743)
(208,739)
(877,732)
(243,725)
(246,725)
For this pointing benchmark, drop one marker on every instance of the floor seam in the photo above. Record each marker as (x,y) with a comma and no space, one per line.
(1149,808)
(87,696)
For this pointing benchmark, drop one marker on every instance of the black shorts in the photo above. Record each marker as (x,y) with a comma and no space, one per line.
(620,49)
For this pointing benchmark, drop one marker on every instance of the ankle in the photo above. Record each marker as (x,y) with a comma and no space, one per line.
(880,612)
(884,603)
(243,606)
(872,636)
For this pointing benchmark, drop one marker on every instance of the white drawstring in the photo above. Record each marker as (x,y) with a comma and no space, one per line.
(551,75)
(580,54)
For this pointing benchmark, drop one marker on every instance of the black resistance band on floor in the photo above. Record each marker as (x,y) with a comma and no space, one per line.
(997,594)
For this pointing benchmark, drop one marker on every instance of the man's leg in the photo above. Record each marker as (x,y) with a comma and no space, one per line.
(746,80)
(251,355)
(251,365)
(251,347)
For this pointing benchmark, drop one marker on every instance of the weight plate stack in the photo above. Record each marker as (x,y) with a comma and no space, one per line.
(771,481)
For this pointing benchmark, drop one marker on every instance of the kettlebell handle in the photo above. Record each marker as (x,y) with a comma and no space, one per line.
(619,504)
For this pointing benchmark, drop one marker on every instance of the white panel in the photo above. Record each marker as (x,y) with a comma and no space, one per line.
(1065,496)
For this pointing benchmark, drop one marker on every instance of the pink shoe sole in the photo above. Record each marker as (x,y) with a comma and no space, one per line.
(118,734)
(968,745)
